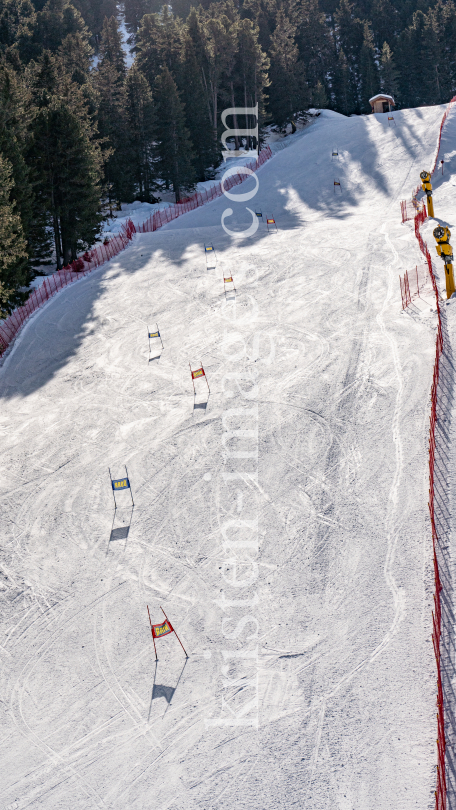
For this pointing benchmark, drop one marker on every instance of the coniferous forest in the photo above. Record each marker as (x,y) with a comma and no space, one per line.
(80,133)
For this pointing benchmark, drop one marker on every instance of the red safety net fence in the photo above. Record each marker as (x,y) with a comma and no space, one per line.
(442,124)
(415,284)
(410,208)
(420,216)
(9,327)
(441,792)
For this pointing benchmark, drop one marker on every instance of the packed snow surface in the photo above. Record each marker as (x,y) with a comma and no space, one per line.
(281,523)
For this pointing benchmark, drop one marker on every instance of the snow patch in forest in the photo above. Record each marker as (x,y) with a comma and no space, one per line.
(129,57)
(137,211)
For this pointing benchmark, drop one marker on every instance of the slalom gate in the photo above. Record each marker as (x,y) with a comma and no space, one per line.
(419,217)
(9,327)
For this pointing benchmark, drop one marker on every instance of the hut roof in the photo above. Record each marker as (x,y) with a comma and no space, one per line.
(379,96)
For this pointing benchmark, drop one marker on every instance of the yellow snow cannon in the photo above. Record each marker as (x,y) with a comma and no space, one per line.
(427,188)
(442,236)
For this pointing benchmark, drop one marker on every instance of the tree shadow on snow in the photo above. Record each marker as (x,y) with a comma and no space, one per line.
(297,184)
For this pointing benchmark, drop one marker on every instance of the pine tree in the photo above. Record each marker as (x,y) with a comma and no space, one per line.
(13,252)
(149,57)
(16,114)
(109,81)
(196,34)
(319,98)
(135,11)
(252,72)
(345,101)
(441,32)
(231,62)
(385,21)
(141,124)
(93,13)
(194,30)
(388,72)
(231,83)
(113,129)
(316,49)
(220,42)
(101,10)
(111,48)
(415,54)
(174,147)
(263,14)
(205,45)
(14,120)
(159,44)
(68,169)
(54,23)
(431,62)
(182,8)
(288,93)
(75,55)
(368,70)
(65,159)
(17,23)
(350,37)
(206,151)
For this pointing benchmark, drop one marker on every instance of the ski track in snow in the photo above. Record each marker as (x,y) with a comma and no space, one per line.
(391,526)
(340,379)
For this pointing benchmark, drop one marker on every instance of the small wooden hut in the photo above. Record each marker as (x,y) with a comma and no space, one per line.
(381,103)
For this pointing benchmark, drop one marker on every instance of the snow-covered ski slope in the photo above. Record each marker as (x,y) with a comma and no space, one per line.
(293,557)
